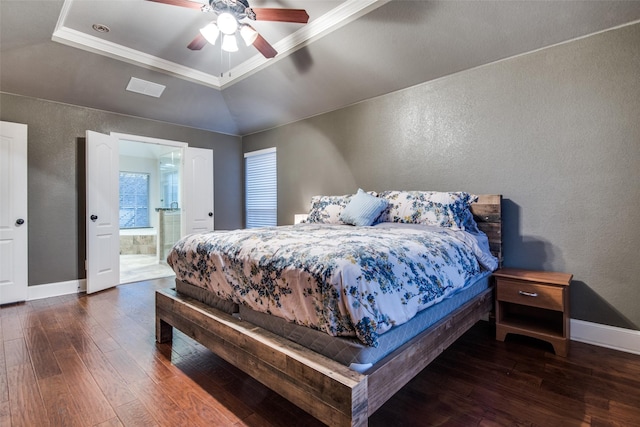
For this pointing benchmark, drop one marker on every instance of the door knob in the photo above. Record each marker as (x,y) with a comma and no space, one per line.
(210,213)
(94,217)
(20,221)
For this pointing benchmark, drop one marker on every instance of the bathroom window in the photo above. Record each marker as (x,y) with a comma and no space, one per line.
(261,188)
(134,200)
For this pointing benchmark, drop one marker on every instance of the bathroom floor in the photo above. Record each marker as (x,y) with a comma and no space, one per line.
(135,268)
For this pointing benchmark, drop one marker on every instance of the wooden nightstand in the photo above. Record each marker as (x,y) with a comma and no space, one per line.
(535,304)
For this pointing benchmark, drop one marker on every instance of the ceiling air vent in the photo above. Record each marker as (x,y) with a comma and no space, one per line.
(144,87)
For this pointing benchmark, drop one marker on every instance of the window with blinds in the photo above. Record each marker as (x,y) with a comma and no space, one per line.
(134,200)
(261,188)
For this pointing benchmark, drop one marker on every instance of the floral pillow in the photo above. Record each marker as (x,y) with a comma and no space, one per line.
(327,209)
(442,209)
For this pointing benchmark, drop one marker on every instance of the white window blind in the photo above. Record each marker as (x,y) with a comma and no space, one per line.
(261,188)
(134,199)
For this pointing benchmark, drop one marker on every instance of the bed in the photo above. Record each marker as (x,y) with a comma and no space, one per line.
(335,391)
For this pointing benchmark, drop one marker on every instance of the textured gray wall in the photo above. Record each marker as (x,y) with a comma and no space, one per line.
(556,132)
(56,177)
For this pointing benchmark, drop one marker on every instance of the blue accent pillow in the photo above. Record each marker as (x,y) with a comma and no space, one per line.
(363,209)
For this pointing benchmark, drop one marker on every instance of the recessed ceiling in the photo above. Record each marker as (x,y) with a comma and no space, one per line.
(159,44)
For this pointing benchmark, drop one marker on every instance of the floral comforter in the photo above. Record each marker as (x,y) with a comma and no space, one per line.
(343,280)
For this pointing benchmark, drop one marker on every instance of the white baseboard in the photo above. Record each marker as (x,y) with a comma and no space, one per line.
(622,339)
(56,289)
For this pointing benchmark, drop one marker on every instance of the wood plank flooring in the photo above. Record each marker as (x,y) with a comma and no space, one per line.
(92,361)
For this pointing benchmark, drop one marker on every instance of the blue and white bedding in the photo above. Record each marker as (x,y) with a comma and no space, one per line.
(339,279)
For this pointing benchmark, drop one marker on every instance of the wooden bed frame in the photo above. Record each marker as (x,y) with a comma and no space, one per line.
(326,389)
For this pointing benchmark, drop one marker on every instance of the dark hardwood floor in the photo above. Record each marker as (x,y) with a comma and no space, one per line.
(92,361)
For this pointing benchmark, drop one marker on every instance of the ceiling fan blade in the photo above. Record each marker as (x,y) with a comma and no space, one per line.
(198,43)
(264,47)
(282,15)
(181,3)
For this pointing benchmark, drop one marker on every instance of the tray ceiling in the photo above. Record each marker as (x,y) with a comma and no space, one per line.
(155,35)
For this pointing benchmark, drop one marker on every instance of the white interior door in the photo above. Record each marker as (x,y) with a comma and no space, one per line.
(103,227)
(13,213)
(197,190)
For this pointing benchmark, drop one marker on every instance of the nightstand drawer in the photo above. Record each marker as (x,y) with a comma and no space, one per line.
(530,294)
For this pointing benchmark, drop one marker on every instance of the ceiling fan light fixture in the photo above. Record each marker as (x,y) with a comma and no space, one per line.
(227,23)
(210,32)
(229,43)
(249,34)
(230,16)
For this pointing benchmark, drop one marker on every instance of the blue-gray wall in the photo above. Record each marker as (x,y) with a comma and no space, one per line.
(56,177)
(556,132)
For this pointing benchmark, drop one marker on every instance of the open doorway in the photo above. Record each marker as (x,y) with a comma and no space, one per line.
(150,212)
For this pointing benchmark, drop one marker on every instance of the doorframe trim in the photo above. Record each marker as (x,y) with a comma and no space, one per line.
(148,139)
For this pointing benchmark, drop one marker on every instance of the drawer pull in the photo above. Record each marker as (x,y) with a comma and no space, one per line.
(528,294)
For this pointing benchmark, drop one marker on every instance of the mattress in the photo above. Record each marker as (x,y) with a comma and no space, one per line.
(347,350)
(206,297)
(341,280)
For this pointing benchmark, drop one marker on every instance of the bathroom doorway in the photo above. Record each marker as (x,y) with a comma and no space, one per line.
(150,206)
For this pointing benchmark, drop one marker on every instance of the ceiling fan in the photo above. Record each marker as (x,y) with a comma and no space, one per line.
(230,14)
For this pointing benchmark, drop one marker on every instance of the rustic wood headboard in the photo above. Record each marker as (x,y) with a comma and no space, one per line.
(487,212)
